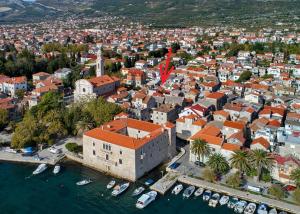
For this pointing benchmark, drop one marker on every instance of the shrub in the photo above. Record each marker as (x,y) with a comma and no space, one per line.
(73,147)
(234,180)
(276,191)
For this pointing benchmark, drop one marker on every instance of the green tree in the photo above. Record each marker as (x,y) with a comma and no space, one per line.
(246,75)
(260,159)
(276,191)
(234,180)
(175,47)
(209,175)
(4,118)
(240,161)
(296,195)
(201,149)
(73,147)
(218,163)
(295,175)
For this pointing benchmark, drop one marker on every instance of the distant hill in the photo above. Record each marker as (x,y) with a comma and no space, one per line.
(164,12)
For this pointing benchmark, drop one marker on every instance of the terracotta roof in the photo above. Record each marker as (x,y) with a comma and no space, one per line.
(208,138)
(262,141)
(222,113)
(103,80)
(41,74)
(231,147)
(210,130)
(234,124)
(215,95)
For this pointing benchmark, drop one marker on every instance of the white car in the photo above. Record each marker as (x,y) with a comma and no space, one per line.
(54,150)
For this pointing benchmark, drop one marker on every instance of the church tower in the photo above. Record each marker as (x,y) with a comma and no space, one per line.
(99,63)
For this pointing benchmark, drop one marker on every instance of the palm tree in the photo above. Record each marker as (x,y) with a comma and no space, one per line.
(261,160)
(200,148)
(295,175)
(240,160)
(218,163)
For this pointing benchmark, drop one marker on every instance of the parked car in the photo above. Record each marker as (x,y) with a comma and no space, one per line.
(54,150)
(199,163)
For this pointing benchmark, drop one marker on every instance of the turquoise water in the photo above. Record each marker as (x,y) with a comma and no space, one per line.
(47,193)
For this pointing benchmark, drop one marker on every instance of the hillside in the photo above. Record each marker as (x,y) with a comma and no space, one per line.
(162,12)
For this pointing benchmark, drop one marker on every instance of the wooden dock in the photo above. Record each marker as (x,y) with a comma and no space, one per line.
(280,205)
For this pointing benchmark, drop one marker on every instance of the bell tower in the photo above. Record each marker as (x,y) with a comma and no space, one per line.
(99,63)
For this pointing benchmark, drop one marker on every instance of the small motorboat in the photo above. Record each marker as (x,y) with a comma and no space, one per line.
(146,199)
(84,182)
(56,169)
(188,191)
(177,189)
(206,195)
(199,192)
(149,182)
(214,200)
(282,212)
(41,168)
(119,189)
(138,191)
(111,184)
(224,200)
(232,202)
(250,209)
(240,206)
(262,209)
(273,211)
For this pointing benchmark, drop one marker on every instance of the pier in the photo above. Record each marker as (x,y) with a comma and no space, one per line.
(165,183)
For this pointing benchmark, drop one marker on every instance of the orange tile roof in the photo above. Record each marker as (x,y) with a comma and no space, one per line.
(262,141)
(222,112)
(231,147)
(200,122)
(103,80)
(208,138)
(215,95)
(234,124)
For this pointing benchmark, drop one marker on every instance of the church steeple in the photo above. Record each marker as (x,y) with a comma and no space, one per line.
(99,63)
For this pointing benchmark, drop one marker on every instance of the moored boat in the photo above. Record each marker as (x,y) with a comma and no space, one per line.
(188,191)
(214,200)
(224,200)
(206,195)
(146,199)
(56,169)
(84,182)
(273,211)
(240,206)
(199,192)
(119,189)
(41,168)
(262,209)
(177,189)
(138,191)
(250,209)
(111,184)
(232,202)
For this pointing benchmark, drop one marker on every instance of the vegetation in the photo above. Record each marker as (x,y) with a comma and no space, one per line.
(218,163)
(276,191)
(296,195)
(201,149)
(209,175)
(245,76)
(4,119)
(51,120)
(73,147)
(234,180)
(295,175)
(261,160)
(240,161)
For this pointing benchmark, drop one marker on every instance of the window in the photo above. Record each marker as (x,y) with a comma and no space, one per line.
(93,143)
(120,161)
(106,157)
(83,90)
(94,152)
(120,152)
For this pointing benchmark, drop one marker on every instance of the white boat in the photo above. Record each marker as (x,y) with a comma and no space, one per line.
(214,200)
(240,206)
(282,212)
(273,211)
(84,182)
(232,202)
(206,195)
(138,191)
(41,168)
(177,189)
(250,209)
(111,184)
(56,169)
(198,192)
(224,200)
(146,199)
(262,209)
(188,191)
(119,189)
